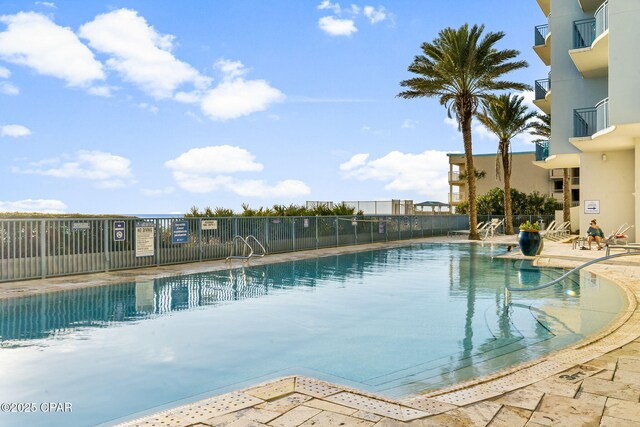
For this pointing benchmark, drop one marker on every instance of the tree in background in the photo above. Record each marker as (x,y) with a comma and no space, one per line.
(506,117)
(461,67)
(492,203)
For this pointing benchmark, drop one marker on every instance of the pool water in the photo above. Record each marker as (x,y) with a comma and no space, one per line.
(392,322)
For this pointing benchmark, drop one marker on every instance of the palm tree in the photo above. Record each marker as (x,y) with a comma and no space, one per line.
(505,117)
(542,129)
(461,67)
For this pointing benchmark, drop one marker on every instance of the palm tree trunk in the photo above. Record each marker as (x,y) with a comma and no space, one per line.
(566,196)
(506,169)
(471,177)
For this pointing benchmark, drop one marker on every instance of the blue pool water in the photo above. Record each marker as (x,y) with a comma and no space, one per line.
(392,322)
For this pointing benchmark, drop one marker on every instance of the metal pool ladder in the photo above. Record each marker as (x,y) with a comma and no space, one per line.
(509,289)
(245,246)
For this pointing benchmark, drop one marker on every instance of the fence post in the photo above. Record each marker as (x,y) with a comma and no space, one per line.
(337,234)
(293,232)
(43,248)
(106,245)
(157,237)
(399,233)
(317,239)
(200,246)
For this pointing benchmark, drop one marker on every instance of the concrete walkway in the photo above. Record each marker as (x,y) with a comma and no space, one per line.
(593,383)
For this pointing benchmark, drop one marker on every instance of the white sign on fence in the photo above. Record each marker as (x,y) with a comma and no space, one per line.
(209,224)
(145,233)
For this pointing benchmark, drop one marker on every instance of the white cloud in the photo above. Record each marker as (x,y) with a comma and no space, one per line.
(214,160)
(409,124)
(107,170)
(230,69)
(236,97)
(9,89)
(375,15)
(100,91)
(205,170)
(14,131)
(31,205)
(47,4)
(327,5)
(140,54)
(337,26)
(150,108)
(355,161)
(33,40)
(423,173)
(4,73)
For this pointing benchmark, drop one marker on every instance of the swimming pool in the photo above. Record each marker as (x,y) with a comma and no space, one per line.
(391,321)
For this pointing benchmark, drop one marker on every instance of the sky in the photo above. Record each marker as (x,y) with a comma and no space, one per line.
(155,106)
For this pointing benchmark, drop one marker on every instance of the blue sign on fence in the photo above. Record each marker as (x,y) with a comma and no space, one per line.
(119,231)
(179,232)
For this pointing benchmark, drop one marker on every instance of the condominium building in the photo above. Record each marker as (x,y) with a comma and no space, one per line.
(591,48)
(525,176)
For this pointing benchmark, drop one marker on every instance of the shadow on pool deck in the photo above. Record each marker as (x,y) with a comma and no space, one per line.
(595,382)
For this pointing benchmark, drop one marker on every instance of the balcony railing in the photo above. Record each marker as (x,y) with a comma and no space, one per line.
(602,18)
(585,31)
(587,121)
(541,32)
(542,150)
(454,176)
(456,197)
(602,114)
(542,86)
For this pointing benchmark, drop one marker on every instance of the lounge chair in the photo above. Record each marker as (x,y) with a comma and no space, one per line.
(550,228)
(480,227)
(560,232)
(618,237)
(492,229)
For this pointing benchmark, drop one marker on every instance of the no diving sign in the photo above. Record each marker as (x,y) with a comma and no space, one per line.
(118,231)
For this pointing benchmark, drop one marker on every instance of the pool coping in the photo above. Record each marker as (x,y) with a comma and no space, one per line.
(558,370)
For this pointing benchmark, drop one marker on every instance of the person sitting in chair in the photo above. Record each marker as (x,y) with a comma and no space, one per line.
(595,233)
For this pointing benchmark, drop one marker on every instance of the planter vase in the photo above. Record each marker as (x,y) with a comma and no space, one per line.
(529,242)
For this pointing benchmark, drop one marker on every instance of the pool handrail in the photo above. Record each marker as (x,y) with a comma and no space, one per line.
(246,244)
(580,267)
(264,251)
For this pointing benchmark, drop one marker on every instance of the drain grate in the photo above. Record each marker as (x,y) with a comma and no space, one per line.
(314,388)
(430,406)
(164,419)
(216,406)
(391,410)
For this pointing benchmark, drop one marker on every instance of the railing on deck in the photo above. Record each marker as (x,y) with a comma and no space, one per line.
(38,248)
(542,86)
(540,34)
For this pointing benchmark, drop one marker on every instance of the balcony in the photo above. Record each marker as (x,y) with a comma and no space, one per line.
(543,95)
(456,198)
(454,177)
(594,133)
(542,44)
(588,121)
(542,150)
(590,51)
(589,5)
(545,5)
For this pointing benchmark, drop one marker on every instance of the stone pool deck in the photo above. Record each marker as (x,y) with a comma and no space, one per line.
(595,382)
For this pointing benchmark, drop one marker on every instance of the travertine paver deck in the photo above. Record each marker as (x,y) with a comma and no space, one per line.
(593,383)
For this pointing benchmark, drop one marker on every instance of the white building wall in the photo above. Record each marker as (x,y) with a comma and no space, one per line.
(624,61)
(612,183)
